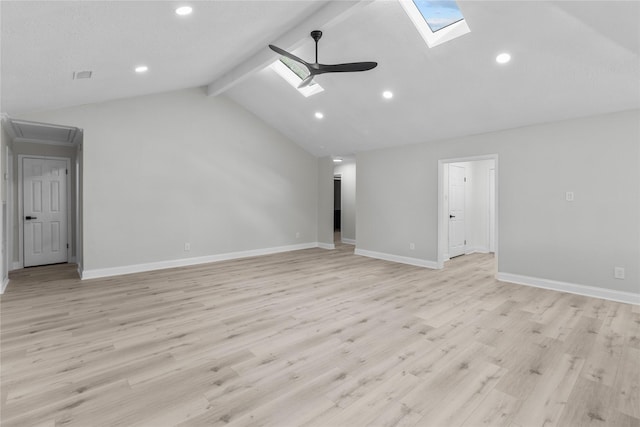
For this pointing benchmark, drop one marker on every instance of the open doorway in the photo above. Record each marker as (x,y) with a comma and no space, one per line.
(337,211)
(44,200)
(344,173)
(467,207)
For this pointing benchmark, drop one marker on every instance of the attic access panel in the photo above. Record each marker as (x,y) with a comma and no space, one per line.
(41,132)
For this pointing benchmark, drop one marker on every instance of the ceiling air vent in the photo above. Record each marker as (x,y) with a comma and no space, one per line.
(82,75)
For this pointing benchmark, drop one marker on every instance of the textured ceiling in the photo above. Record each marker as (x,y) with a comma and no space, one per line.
(44,42)
(570,59)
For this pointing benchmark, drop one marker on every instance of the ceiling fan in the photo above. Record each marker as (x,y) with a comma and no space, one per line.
(316,68)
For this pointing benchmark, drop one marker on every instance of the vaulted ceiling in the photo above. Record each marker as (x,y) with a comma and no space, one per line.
(569,59)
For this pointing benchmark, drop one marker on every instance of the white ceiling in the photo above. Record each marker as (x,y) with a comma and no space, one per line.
(570,59)
(44,42)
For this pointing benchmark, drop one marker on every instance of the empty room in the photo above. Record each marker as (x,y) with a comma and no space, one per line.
(320,213)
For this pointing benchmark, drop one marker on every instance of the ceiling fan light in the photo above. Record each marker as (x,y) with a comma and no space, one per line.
(142,69)
(387,94)
(319,115)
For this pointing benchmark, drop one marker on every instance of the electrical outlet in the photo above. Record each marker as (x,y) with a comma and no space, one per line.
(569,196)
(412,246)
(187,247)
(618,272)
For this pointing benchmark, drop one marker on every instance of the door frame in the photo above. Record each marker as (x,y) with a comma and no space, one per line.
(442,244)
(9,218)
(21,204)
(492,248)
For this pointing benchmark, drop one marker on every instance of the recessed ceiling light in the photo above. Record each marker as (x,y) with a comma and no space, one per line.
(387,94)
(337,160)
(184,10)
(319,115)
(503,58)
(142,69)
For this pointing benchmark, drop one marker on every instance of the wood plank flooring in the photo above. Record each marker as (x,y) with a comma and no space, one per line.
(313,338)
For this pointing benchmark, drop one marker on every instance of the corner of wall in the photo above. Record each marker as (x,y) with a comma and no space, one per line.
(325,202)
(399,259)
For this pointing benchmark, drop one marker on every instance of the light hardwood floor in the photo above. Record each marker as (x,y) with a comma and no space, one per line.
(313,338)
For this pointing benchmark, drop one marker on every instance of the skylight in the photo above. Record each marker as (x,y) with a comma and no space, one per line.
(439,14)
(436,21)
(294,66)
(294,73)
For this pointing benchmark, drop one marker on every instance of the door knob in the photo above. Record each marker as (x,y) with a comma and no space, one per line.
(30,217)
(452,216)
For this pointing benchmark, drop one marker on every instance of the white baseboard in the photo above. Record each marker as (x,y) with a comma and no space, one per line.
(396,258)
(572,288)
(326,245)
(161,265)
(5,282)
(476,250)
(348,241)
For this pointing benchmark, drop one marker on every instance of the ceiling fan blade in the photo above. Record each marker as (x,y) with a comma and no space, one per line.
(346,68)
(316,68)
(288,55)
(306,82)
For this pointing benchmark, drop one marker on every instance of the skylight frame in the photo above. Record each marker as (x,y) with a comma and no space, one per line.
(433,38)
(294,80)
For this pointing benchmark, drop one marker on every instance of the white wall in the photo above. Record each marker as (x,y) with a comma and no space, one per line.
(540,234)
(4,141)
(180,167)
(347,172)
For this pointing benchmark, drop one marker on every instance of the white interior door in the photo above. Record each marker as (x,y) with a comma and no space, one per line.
(457,243)
(45,211)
